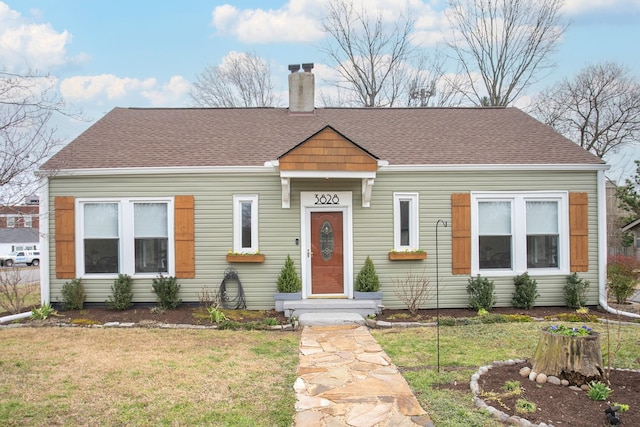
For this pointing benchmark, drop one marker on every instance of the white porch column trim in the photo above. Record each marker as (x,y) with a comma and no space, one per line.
(367,189)
(286,192)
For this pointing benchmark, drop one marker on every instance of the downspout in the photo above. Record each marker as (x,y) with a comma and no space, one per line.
(45,288)
(602,250)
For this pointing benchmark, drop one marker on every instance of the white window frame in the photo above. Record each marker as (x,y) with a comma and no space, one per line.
(11,221)
(126,248)
(237,223)
(414,231)
(519,231)
(28,221)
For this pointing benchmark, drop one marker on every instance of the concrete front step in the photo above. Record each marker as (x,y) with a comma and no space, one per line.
(297,308)
(330,319)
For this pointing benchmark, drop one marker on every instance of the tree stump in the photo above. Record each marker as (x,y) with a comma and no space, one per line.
(575,359)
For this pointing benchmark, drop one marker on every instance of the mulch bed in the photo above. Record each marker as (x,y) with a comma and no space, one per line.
(559,405)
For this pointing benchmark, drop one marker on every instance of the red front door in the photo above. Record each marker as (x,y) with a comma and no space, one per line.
(327,259)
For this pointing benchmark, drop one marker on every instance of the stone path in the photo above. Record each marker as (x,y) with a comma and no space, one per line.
(346,379)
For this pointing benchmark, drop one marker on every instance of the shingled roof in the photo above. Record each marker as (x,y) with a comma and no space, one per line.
(142,138)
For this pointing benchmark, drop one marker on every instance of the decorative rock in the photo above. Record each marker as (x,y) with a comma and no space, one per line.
(541,378)
(533,375)
(553,380)
(584,387)
(575,388)
(564,382)
(524,372)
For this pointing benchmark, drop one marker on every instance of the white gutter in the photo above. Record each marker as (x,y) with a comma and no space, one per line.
(602,250)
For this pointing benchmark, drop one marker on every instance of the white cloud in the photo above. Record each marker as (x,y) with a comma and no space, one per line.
(615,7)
(286,24)
(300,20)
(107,89)
(26,45)
(173,93)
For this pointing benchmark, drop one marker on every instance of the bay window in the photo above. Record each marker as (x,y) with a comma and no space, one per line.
(517,232)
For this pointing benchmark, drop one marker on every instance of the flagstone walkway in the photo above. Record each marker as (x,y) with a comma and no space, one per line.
(346,379)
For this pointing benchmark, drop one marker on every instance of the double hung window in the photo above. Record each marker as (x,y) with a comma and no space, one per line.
(517,232)
(129,236)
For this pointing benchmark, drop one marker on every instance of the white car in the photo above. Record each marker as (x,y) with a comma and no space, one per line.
(21,257)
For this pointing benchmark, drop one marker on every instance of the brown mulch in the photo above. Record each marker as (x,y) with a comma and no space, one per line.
(559,405)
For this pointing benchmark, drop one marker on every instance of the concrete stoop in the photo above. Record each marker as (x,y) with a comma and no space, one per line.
(330,319)
(297,308)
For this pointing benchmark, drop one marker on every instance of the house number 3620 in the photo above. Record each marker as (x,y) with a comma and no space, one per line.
(327,199)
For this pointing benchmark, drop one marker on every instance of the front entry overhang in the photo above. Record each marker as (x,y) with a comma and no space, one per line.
(328,154)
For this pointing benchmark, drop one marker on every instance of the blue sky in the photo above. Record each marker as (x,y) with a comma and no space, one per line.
(146,53)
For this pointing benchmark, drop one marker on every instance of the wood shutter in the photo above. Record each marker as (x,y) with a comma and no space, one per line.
(579,231)
(184,237)
(461,233)
(65,237)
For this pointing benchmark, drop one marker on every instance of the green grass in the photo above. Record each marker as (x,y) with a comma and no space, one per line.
(114,377)
(463,349)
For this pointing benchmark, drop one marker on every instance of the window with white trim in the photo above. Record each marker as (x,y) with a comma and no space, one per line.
(405,218)
(517,232)
(245,224)
(128,236)
(11,221)
(28,221)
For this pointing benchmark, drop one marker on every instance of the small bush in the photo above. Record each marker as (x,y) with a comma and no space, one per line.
(575,291)
(121,294)
(598,391)
(288,281)
(526,291)
(167,289)
(73,295)
(481,293)
(43,312)
(574,317)
(367,279)
(620,275)
(414,290)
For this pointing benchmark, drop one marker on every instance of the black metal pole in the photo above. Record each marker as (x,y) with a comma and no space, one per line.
(444,224)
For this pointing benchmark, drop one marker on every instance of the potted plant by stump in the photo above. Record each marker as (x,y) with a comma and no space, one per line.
(289,285)
(367,285)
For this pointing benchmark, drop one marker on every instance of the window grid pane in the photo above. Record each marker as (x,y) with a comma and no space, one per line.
(405,232)
(246,224)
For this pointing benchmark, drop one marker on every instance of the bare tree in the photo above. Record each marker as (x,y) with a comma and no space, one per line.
(503,46)
(242,80)
(376,64)
(599,109)
(27,104)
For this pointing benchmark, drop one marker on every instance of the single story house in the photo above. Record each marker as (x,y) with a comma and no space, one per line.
(190,192)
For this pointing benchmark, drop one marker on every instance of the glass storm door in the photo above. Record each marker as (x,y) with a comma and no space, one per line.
(327,259)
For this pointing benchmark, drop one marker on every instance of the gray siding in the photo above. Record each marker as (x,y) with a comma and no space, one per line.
(372,228)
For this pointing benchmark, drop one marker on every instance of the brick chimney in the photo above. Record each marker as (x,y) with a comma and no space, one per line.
(301,88)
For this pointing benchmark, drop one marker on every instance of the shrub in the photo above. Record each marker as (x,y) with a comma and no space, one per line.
(288,280)
(43,312)
(526,291)
(620,275)
(598,391)
(481,293)
(121,295)
(575,291)
(367,279)
(414,290)
(73,295)
(166,289)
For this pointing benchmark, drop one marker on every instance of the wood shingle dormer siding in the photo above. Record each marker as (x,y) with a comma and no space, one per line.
(328,150)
